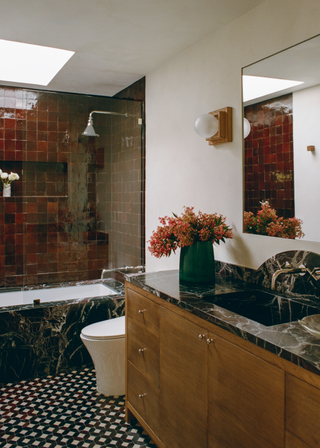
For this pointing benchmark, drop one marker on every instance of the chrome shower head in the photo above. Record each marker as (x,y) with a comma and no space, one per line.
(89,131)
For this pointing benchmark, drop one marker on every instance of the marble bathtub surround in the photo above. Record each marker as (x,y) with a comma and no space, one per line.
(41,340)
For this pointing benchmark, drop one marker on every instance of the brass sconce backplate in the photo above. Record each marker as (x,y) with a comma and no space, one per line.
(224,134)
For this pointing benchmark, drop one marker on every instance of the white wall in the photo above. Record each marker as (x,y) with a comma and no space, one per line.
(307,163)
(182,169)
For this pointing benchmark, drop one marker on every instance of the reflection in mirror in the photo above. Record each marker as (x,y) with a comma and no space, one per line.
(281,169)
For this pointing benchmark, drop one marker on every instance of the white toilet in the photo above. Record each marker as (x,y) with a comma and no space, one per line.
(105,341)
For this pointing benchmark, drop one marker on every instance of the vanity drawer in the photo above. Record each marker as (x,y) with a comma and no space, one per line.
(142,311)
(143,396)
(303,410)
(143,351)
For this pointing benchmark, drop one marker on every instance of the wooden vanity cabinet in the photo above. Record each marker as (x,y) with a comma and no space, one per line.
(195,385)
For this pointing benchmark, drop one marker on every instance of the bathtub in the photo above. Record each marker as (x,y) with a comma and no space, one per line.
(37,296)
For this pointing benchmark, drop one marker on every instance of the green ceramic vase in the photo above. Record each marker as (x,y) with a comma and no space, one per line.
(197,263)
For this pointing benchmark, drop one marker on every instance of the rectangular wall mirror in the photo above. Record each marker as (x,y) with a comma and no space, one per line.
(281,101)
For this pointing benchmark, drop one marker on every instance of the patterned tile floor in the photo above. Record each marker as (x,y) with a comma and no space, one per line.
(65,411)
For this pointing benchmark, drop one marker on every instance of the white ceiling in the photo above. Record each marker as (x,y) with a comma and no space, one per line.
(299,63)
(116,42)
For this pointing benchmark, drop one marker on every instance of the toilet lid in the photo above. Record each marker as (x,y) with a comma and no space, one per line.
(107,329)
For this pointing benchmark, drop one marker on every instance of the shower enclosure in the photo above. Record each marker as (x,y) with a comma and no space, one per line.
(78,206)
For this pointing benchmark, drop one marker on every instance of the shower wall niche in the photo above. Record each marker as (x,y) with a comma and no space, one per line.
(78,205)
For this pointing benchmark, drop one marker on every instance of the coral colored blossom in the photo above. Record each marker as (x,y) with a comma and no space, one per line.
(184,230)
(267,222)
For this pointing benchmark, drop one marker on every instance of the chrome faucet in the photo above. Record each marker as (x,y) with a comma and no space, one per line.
(288,268)
(105,271)
(315,273)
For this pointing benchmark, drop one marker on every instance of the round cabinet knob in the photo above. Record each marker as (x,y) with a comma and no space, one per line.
(141,350)
(141,311)
(202,336)
(141,396)
(209,341)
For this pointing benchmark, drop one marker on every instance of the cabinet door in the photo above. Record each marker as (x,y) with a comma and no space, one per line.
(246,399)
(293,441)
(144,397)
(183,382)
(143,351)
(142,311)
(303,410)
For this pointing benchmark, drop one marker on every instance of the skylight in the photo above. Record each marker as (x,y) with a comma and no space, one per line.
(30,64)
(258,86)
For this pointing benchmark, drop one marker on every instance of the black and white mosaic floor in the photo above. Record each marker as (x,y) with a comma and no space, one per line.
(65,411)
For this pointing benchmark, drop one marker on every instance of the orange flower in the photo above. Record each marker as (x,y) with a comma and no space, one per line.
(186,229)
(267,222)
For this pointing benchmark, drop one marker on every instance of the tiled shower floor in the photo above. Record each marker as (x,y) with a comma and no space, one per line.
(65,411)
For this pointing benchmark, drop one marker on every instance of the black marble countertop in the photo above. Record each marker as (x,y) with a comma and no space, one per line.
(286,340)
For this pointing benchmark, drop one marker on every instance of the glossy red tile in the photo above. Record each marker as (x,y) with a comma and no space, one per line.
(272,136)
(40,139)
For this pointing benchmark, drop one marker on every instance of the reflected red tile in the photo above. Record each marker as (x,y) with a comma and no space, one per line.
(9,123)
(21,114)
(275,150)
(30,249)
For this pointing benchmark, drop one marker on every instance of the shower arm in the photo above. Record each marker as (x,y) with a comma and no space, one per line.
(90,132)
(90,119)
(108,113)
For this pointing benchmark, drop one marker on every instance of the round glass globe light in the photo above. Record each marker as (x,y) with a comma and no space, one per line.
(206,125)
(246,128)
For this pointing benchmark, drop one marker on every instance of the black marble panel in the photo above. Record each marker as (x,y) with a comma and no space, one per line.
(37,341)
(304,281)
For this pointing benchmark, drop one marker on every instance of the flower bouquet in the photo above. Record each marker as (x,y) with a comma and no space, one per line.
(184,230)
(7,179)
(195,235)
(267,222)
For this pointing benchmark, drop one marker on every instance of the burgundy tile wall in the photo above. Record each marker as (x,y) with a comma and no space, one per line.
(50,227)
(269,156)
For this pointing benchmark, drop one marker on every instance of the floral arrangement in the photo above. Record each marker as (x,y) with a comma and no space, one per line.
(7,179)
(184,230)
(267,222)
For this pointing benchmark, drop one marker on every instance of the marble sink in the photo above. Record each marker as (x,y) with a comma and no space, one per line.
(267,308)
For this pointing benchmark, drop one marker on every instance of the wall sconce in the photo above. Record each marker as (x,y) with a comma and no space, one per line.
(90,132)
(215,127)
(246,128)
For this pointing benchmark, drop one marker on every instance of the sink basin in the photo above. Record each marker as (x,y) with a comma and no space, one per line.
(265,307)
(311,324)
